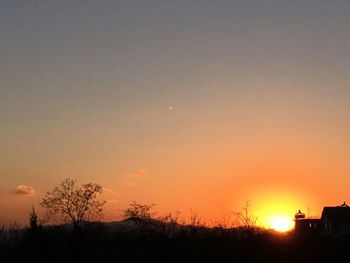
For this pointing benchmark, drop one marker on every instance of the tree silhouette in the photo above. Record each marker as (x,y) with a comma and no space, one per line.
(138,211)
(34,241)
(68,203)
(170,223)
(245,218)
(141,215)
(33,221)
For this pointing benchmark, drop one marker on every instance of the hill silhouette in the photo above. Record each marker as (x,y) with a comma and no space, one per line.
(142,237)
(159,241)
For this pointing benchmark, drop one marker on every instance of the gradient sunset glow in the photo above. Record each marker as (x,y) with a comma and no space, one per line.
(201,104)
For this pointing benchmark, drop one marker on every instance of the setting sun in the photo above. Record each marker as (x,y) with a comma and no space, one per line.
(218,130)
(281,223)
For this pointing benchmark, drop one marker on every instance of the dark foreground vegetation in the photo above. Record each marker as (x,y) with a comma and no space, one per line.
(136,240)
(142,237)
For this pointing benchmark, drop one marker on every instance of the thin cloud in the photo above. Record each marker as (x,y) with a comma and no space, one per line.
(129,183)
(110,191)
(140,173)
(23,190)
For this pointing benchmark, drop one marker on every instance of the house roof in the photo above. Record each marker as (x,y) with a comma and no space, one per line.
(337,215)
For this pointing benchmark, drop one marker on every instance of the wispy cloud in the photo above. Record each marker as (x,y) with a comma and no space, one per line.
(109,191)
(129,183)
(140,173)
(131,178)
(23,190)
(110,196)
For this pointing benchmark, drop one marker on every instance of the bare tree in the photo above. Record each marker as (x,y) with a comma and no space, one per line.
(138,211)
(224,222)
(245,218)
(141,215)
(195,219)
(170,223)
(68,203)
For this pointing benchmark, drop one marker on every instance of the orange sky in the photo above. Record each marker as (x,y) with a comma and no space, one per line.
(186,104)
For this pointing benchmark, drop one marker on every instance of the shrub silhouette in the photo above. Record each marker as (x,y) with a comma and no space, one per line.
(142,216)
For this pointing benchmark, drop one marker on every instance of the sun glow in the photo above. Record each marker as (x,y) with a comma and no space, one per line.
(281,223)
(275,206)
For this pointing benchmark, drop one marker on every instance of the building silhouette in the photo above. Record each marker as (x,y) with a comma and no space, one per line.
(334,222)
(306,226)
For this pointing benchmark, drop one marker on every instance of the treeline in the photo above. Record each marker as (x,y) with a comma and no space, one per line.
(155,240)
(69,203)
(137,240)
(140,236)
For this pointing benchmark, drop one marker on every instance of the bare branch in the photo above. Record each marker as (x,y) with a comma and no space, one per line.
(67,203)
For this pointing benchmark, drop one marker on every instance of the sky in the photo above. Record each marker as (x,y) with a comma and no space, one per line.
(201,104)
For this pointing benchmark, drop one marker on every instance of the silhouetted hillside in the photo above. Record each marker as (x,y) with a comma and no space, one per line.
(158,241)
